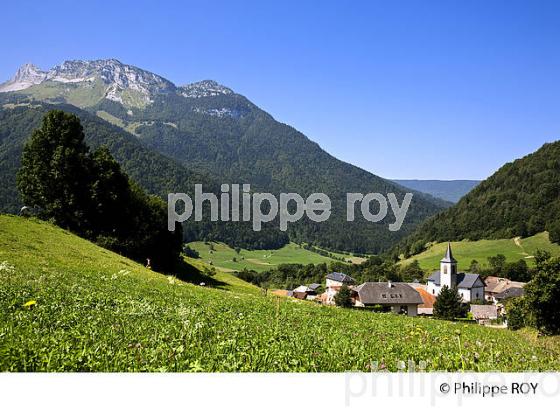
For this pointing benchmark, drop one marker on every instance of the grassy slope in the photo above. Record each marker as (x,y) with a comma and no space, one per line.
(466,251)
(258,260)
(97,311)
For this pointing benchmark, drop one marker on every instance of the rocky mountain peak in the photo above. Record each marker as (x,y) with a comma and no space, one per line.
(26,76)
(110,79)
(206,88)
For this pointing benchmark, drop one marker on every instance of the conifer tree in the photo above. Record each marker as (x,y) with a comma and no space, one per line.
(448,304)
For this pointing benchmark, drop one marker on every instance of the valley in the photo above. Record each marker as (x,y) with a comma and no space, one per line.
(226,259)
(69,305)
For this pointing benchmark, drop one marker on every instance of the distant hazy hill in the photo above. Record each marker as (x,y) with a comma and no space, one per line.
(521,199)
(208,128)
(450,191)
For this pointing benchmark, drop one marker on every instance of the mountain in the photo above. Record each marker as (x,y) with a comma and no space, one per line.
(208,128)
(83,82)
(154,172)
(451,191)
(521,199)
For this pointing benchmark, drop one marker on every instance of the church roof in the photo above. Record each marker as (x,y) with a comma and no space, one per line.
(448,255)
(464,280)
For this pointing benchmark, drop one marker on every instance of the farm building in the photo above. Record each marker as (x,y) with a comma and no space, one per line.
(304,292)
(335,280)
(469,285)
(495,285)
(399,297)
(315,286)
(483,314)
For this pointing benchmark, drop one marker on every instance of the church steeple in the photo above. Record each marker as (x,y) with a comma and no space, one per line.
(448,255)
(448,269)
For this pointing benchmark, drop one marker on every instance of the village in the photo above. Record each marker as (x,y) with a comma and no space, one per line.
(485,297)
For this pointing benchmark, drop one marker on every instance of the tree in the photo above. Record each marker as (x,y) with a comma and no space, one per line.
(55,171)
(497,263)
(344,297)
(554,231)
(541,257)
(90,195)
(517,313)
(542,295)
(474,267)
(448,304)
(412,271)
(518,271)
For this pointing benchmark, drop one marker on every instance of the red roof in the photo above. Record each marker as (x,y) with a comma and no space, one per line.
(427,298)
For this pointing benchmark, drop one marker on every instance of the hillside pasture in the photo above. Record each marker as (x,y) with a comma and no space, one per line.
(465,251)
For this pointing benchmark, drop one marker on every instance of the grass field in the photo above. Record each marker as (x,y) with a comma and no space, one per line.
(68,305)
(222,257)
(466,251)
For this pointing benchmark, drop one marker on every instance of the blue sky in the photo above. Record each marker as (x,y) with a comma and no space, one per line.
(409,89)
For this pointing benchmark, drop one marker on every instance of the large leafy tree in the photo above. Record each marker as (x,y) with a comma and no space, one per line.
(448,304)
(55,171)
(89,194)
(542,296)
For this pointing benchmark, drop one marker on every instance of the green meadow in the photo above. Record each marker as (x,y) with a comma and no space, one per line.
(465,251)
(69,305)
(224,258)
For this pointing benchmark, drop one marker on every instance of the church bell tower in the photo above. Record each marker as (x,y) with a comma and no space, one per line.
(448,269)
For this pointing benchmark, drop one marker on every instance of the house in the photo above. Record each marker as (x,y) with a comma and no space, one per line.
(314,286)
(495,285)
(483,314)
(304,292)
(399,297)
(509,293)
(469,285)
(427,305)
(334,282)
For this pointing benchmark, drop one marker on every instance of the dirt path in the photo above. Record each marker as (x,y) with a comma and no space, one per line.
(517,242)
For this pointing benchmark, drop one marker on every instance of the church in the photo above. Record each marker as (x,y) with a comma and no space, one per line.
(469,285)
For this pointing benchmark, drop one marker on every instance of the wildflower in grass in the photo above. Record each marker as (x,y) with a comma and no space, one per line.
(30,303)
(7,268)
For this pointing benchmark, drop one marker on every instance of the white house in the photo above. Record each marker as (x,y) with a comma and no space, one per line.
(469,285)
(335,280)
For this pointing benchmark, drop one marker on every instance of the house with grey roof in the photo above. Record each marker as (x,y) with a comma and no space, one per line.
(484,313)
(398,297)
(334,282)
(513,292)
(495,285)
(469,285)
(314,286)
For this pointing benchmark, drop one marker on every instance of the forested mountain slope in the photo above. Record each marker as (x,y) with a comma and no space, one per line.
(521,199)
(209,128)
